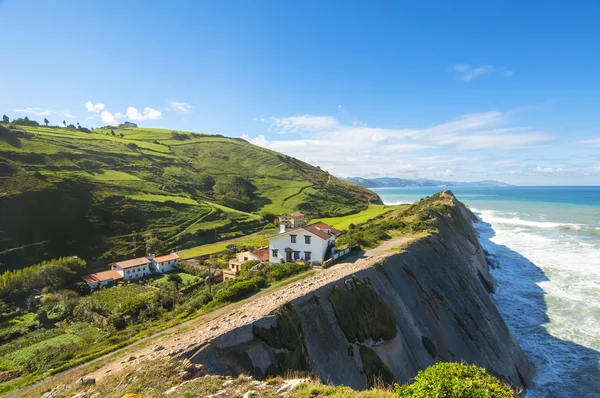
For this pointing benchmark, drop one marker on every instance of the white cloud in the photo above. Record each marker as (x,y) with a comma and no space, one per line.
(548,170)
(593,141)
(91,107)
(304,123)
(148,114)
(180,106)
(35,111)
(357,149)
(461,67)
(592,170)
(468,73)
(132,114)
(108,118)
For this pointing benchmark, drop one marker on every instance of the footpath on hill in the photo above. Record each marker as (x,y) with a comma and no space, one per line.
(206,327)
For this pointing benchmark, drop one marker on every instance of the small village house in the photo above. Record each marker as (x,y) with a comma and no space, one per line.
(312,243)
(104,278)
(235,264)
(292,220)
(166,263)
(133,269)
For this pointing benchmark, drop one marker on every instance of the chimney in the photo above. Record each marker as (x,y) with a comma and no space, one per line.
(282,228)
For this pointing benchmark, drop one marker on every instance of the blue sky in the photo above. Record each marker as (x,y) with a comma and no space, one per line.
(431,89)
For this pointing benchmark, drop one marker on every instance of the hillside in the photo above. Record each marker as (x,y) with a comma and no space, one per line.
(90,193)
(383,182)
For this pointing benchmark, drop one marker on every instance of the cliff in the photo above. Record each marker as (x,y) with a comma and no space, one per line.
(427,302)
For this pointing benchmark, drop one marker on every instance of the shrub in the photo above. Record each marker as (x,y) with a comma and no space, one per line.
(240,288)
(450,379)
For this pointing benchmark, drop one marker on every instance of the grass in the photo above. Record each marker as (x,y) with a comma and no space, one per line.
(97,191)
(155,378)
(187,279)
(374,210)
(255,240)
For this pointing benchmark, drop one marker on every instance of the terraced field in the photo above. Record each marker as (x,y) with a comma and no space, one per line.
(93,193)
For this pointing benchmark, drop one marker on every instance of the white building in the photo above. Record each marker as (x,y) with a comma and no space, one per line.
(104,278)
(166,263)
(133,269)
(312,243)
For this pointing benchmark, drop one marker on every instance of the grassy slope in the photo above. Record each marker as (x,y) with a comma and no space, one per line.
(66,192)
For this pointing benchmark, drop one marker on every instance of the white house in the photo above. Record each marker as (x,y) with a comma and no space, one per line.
(133,269)
(165,263)
(103,278)
(311,243)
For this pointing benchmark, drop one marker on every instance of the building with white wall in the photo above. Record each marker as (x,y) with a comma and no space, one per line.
(166,263)
(312,243)
(104,278)
(133,269)
(292,220)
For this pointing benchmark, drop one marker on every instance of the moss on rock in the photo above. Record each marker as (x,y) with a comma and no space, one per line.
(362,314)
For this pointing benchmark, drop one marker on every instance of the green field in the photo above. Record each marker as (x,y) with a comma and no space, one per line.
(254,240)
(343,222)
(92,194)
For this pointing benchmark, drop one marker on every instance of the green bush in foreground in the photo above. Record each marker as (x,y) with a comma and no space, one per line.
(455,380)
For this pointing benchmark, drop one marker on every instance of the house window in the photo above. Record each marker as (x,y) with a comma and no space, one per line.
(128,271)
(293,238)
(307,239)
(275,251)
(307,256)
(296,255)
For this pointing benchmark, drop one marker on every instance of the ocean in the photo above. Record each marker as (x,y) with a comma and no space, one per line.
(546,244)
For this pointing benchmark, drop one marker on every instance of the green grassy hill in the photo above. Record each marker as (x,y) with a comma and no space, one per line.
(67,191)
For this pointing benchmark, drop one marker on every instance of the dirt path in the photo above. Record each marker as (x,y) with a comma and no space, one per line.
(199,330)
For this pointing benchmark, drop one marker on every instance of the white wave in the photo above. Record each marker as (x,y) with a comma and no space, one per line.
(491,217)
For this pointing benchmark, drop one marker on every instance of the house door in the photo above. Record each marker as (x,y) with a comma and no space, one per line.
(288,255)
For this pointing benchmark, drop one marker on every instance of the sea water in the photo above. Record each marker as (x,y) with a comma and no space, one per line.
(546,244)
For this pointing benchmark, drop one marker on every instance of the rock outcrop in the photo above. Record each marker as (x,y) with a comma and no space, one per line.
(425,303)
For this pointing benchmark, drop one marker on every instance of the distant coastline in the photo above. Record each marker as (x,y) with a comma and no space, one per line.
(390,182)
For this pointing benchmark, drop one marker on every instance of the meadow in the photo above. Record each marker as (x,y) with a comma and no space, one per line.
(101,189)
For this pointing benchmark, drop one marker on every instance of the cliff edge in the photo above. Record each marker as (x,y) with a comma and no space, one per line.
(413,306)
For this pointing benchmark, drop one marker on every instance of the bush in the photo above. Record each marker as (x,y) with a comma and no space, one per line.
(277,272)
(240,288)
(450,379)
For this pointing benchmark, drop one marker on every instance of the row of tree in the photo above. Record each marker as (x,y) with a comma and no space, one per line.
(25,121)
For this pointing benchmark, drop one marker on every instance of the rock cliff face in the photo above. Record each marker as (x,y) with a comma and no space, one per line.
(425,303)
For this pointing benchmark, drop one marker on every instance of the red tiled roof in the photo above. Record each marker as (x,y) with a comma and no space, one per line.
(102,276)
(167,257)
(315,228)
(319,228)
(132,263)
(262,253)
(296,214)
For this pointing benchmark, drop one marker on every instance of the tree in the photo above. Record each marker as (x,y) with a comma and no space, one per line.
(78,126)
(175,279)
(64,123)
(153,244)
(121,135)
(46,121)
(113,132)
(5,119)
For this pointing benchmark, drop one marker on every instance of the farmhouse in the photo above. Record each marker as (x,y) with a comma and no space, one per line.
(133,269)
(292,220)
(312,243)
(166,263)
(235,264)
(103,278)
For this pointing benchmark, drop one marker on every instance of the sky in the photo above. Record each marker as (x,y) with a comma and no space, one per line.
(460,91)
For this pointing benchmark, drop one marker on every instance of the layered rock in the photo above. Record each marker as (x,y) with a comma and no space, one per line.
(427,302)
